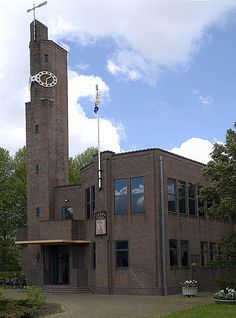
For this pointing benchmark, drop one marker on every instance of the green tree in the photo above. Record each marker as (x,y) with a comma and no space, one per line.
(221,172)
(12,205)
(78,162)
(13,202)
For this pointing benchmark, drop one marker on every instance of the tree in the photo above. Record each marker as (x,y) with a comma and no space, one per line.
(78,162)
(221,172)
(13,201)
(12,205)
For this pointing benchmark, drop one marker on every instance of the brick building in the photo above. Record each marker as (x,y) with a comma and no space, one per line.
(144,232)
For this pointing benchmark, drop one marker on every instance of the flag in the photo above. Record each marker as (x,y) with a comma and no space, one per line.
(97,102)
(96,108)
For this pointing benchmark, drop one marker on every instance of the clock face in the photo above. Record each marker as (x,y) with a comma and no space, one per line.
(45,79)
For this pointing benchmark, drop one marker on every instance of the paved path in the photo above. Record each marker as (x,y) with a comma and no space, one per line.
(119,306)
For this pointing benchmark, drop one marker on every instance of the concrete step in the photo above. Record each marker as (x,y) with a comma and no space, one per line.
(57,289)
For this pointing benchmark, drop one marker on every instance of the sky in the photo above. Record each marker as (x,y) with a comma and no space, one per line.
(166,72)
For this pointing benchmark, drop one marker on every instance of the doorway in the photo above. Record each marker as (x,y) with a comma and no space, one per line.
(56,265)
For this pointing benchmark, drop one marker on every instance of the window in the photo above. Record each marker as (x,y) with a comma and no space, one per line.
(89,202)
(204,253)
(93,198)
(38,257)
(182,197)
(220,252)
(37,211)
(122,254)
(94,255)
(137,194)
(213,251)
(184,253)
(36,129)
(201,205)
(67,213)
(46,57)
(173,248)
(192,199)
(171,195)
(121,196)
(37,169)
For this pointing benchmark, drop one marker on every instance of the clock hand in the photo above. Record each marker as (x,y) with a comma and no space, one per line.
(48,78)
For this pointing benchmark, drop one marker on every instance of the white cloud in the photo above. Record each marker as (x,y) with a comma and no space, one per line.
(157,34)
(196,149)
(149,35)
(83,130)
(202,99)
(205,100)
(130,65)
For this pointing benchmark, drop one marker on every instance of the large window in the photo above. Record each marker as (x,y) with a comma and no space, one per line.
(173,248)
(171,185)
(89,202)
(204,253)
(137,194)
(192,199)
(121,196)
(122,260)
(182,197)
(184,253)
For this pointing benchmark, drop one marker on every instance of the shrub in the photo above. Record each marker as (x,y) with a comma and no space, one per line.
(34,297)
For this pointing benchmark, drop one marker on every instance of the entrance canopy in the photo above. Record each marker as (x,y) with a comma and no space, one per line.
(53,242)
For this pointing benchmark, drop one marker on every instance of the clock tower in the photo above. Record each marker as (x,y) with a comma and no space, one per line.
(46,130)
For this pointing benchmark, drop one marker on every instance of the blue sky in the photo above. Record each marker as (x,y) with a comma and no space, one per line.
(166,72)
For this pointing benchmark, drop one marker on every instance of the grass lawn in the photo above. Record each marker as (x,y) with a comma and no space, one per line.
(207,311)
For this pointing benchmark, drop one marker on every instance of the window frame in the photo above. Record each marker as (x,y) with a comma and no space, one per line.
(133,195)
(204,253)
(37,211)
(183,198)
(65,214)
(201,204)
(174,195)
(121,195)
(94,254)
(90,202)
(176,249)
(213,251)
(192,199)
(122,250)
(184,249)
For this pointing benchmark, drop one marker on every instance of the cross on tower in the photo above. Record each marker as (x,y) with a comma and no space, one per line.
(34,7)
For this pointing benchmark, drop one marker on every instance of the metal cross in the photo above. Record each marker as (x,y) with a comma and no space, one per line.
(34,7)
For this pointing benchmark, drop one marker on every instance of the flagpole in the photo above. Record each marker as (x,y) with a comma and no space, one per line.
(99,157)
(97,102)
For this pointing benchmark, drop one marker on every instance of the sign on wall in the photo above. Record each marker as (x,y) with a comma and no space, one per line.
(101,223)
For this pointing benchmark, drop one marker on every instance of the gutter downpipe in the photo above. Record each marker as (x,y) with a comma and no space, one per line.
(163,243)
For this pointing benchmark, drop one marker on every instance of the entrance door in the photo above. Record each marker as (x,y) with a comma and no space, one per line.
(58,264)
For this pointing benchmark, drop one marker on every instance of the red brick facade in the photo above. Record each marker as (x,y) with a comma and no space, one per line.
(68,252)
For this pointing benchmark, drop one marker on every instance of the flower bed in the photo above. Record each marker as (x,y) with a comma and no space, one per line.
(227,296)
